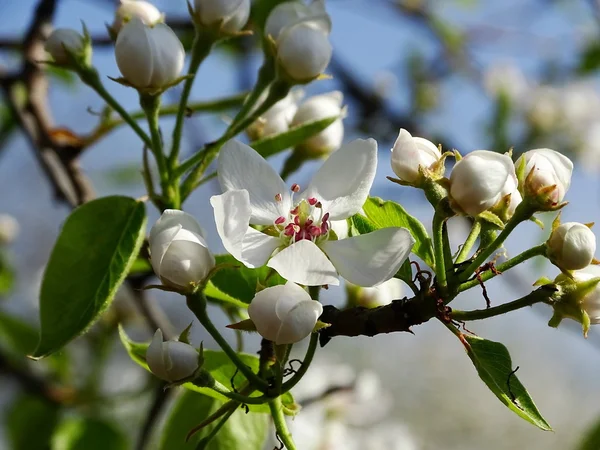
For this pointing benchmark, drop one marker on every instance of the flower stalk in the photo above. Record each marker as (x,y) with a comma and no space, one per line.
(281,428)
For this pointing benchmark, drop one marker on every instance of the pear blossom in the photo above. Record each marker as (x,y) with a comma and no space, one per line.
(278,118)
(62,40)
(284,314)
(320,107)
(481,180)
(229,15)
(409,153)
(294,236)
(178,250)
(172,361)
(287,13)
(591,300)
(149,57)
(145,11)
(546,170)
(506,79)
(571,246)
(381,295)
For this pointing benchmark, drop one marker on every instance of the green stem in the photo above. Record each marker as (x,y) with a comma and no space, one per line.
(314,292)
(204,441)
(468,245)
(197,304)
(241,398)
(280,425)
(310,353)
(201,48)
(537,296)
(489,274)
(438,247)
(522,213)
(92,79)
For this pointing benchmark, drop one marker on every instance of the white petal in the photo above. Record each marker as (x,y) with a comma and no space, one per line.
(172,217)
(240,167)
(133,52)
(370,259)
(155,356)
(293,295)
(257,248)
(304,263)
(262,311)
(182,360)
(343,182)
(232,217)
(168,55)
(300,322)
(159,244)
(186,262)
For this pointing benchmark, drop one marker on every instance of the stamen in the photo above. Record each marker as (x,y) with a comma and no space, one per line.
(278,197)
(325,217)
(312,201)
(295,187)
(294,212)
(319,205)
(279,220)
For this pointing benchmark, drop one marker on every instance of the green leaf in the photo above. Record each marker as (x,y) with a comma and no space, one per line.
(359,224)
(79,433)
(7,275)
(272,145)
(30,422)
(240,282)
(241,431)
(590,58)
(494,366)
(591,438)
(214,294)
(386,214)
(216,362)
(96,247)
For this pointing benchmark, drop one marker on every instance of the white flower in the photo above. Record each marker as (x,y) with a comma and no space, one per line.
(383,294)
(480,180)
(296,234)
(61,39)
(145,11)
(9,228)
(547,172)
(230,15)
(321,107)
(278,118)
(171,361)
(287,13)
(591,301)
(571,246)
(515,199)
(506,79)
(284,314)
(178,250)
(149,57)
(409,153)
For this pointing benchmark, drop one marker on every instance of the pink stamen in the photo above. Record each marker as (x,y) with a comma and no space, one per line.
(325,218)
(295,187)
(279,220)
(312,201)
(278,197)
(297,220)
(294,211)
(314,231)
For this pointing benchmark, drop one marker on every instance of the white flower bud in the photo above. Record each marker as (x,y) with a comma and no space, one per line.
(288,13)
(230,15)
(547,173)
(409,153)
(278,118)
(515,199)
(172,361)
(145,11)
(506,79)
(591,300)
(303,51)
(381,295)
(178,250)
(9,228)
(149,57)
(571,246)
(320,107)
(284,314)
(480,180)
(61,39)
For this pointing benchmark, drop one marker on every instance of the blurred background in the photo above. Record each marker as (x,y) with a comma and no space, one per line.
(468,74)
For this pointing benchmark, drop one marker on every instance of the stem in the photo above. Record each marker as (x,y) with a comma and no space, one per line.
(216,429)
(280,425)
(92,79)
(537,296)
(310,353)
(468,245)
(438,246)
(522,213)
(197,304)
(489,274)
(314,292)
(201,48)
(241,398)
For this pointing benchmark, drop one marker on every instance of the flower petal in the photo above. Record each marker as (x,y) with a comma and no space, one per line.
(257,248)
(343,182)
(232,217)
(293,295)
(299,322)
(155,356)
(262,311)
(240,167)
(304,263)
(370,259)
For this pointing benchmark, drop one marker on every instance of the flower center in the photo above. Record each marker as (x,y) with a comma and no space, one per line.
(306,220)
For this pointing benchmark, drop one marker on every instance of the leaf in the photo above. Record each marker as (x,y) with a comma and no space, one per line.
(272,145)
(241,431)
(494,366)
(590,58)
(96,247)
(386,214)
(79,433)
(240,282)
(30,422)
(216,362)
(591,438)
(215,295)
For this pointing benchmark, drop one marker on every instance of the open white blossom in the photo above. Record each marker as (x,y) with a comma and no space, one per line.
(296,239)
(171,361)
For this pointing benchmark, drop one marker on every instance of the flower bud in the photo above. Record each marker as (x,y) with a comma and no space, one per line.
(9,229)
(178,251)
(277,119)
(547,175)
(284,314)
(62,40)
(480,180)
(288,13)
(571,246)
(171,361)
(321,107)
(372,297)
(591,300)
(409,153)
(149,57)
(145,11)
(230,16)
